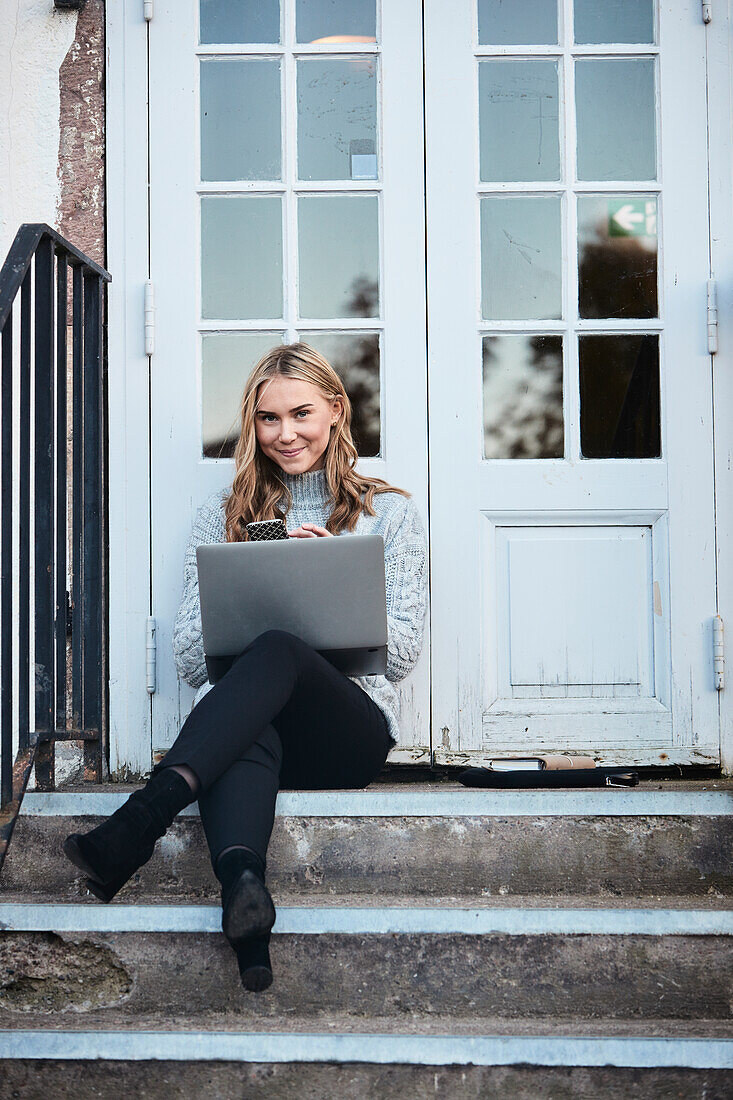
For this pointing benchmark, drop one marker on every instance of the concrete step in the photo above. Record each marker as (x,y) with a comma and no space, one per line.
(301,1065)
(463,970)
(357,1079)
(303,898)
(608,845)
(430,940)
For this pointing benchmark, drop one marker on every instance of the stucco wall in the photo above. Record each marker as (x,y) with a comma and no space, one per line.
(52,121)
(52,148)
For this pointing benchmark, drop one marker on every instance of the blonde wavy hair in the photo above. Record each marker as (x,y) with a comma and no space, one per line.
(257,486)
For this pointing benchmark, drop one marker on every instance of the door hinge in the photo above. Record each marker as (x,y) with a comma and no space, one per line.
(149,317)
(707,11)
(148,10)
(712,316)
(718,653)
(151,648)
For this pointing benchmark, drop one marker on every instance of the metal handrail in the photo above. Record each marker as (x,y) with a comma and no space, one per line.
(64,706)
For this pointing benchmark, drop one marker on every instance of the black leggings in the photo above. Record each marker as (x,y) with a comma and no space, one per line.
(282,715)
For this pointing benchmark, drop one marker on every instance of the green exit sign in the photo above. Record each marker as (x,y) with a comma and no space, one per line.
(632,217)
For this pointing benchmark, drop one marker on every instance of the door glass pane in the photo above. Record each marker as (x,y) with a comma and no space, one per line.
(521,273)
(336,20)
(355,358)
(614,21)
(615,111)
(338,256)
(240,120)
(523,415)
(518,120)
(619,396)
(245,21)
(517,22)
(617,255)
(241,256)
(226,360)
(337,119)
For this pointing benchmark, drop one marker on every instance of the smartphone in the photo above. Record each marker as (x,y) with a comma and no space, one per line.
(267,529)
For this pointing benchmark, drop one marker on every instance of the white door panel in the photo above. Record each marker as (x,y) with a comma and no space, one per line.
(287,202)
(573,582)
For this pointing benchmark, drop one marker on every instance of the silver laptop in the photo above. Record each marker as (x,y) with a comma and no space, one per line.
(328,591)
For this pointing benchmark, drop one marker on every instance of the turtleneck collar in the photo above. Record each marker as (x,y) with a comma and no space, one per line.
(312,482)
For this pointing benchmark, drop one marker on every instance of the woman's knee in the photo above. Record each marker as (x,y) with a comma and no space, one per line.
(278,638)
(277,641)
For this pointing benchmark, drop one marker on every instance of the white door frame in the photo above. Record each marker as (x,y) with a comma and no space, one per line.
(720,106)
(127,260)
(126,37)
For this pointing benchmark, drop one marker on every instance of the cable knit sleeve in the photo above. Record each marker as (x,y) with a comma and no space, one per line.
(188,646)
(406,576)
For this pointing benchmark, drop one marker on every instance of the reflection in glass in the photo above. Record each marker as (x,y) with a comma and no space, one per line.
(226,361)
(615,110)
(619,396)
(521,257)
(617,255)
(355,358)
(338,256)
(240,120)
(337,119)
(335,21)
(518,120)
(517,22)
(614,21)
(241,257)
(523,415)
(245,21)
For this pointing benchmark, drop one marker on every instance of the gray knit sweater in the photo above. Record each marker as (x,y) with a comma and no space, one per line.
(397,521)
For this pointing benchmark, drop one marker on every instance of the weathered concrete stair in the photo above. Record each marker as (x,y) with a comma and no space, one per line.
(422,924)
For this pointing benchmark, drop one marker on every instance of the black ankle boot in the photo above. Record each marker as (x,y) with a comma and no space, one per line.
(113,851)
(255,968)
(247,908)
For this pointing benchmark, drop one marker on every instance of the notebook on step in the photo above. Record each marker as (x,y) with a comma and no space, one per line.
(330,592)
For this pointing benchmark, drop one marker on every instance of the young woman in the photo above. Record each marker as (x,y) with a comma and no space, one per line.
(282,716)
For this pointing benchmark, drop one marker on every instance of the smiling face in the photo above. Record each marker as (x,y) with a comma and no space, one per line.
(294,415)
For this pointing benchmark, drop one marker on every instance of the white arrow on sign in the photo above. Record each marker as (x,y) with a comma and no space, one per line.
(627,218)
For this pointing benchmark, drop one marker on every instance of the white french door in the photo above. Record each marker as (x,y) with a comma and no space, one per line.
(571,486)
(556,360)
(286,203)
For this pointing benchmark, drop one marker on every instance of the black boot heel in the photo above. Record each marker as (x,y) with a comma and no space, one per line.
(255,968)
(249,910)
(246,904)
(105,891)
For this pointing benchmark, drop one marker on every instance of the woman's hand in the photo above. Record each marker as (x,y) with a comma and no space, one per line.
(309,531)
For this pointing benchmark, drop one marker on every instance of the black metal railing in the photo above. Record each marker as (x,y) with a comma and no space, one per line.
(62,694)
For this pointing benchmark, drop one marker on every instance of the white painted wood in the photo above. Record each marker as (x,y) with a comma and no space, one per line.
(555,641)
(720,106)
(655,609)
(129,474)
(180,479)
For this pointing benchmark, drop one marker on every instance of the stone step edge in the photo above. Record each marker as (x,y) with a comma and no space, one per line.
(466,802)
(317,920)
(383,1048)
(308,896)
